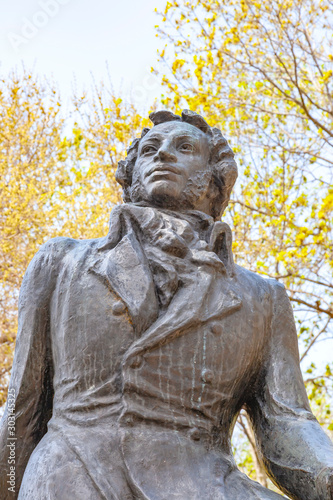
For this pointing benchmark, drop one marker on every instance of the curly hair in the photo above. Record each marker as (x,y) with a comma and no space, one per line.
(221,160)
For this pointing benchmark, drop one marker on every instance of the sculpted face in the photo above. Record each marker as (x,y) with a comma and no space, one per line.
(171,167)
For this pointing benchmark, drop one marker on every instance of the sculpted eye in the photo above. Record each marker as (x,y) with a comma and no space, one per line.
(148,149)
(186,147)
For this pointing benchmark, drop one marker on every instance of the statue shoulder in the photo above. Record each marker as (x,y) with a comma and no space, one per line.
(44,267)
(57,248)
(52,252)
(263,287)
(60,245)
(280,300)
(250,279)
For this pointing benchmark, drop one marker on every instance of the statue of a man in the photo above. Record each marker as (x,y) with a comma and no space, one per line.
(136,352)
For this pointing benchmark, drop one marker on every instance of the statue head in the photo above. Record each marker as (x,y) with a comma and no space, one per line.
(180,163)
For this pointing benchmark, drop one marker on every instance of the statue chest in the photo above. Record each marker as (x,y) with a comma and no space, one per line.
(199,356)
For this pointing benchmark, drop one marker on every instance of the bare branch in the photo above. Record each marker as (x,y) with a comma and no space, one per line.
(315,339)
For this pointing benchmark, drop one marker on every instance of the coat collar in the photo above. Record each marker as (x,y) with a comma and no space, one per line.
(217,235)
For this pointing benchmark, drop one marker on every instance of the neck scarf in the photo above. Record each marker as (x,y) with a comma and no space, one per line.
(174,243)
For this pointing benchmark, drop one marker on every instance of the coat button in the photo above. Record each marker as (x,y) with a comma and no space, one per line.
(216,328)
(207,376)
(195,434)
(118,308)
(136,362)
(129,420)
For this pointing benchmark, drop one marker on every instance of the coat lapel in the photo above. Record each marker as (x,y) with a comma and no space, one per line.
(207,295)
(124,269)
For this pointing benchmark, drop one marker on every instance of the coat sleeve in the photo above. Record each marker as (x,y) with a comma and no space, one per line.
(30,394)
(296,452)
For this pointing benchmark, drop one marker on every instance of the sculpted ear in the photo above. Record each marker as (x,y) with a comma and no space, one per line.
(124,178)
(121,173)
(224,165)
(125,167)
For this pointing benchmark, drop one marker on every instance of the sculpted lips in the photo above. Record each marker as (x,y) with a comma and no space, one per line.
(167,169)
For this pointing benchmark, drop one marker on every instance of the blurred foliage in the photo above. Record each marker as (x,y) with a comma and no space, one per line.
(262,72)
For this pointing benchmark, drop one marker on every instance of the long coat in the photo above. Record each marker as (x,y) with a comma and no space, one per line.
(134,356)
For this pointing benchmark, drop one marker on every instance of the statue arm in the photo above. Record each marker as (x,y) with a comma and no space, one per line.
(30,391)
(295,450)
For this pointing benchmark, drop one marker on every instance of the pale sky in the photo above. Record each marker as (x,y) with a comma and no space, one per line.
(70,39)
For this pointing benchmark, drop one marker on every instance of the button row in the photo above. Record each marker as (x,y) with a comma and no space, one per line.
(207,376)
(195,433)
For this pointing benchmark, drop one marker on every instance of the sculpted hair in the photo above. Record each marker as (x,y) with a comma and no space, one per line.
(221,161)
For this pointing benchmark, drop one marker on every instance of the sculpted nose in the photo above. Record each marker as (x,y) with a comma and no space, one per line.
(163,154)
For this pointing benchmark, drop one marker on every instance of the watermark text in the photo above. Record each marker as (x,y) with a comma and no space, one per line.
(11,441)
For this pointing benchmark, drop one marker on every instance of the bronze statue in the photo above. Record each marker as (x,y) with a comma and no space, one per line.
(136,351)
